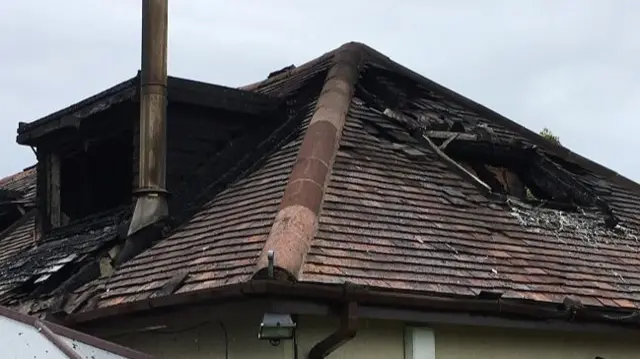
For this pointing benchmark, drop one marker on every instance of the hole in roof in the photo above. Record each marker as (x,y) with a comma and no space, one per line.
(501,164)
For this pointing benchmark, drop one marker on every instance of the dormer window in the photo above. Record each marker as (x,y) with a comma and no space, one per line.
(88,153)
(85,157)
(95,176)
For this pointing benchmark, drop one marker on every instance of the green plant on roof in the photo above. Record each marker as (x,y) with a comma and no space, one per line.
(546,133)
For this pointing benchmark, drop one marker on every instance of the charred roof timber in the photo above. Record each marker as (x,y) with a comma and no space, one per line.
(179,90)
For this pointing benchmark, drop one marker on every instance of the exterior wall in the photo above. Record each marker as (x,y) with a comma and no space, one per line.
(375,339)
(481,343)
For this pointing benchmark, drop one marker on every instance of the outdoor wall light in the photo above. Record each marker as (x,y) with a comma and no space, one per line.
(276,327)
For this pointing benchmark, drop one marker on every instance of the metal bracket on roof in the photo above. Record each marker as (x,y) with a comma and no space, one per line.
(270,263)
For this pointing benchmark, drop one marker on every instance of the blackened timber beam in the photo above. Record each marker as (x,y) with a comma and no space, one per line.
(446,135)
(53,190)
(70,117)
(179,91)
(220,97)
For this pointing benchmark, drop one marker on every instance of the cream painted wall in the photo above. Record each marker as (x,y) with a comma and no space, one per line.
(207,338)
(375,339)
(383,340)
(477,343)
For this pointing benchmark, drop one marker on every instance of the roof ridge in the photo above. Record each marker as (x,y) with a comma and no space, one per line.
(491,115)
(296,222)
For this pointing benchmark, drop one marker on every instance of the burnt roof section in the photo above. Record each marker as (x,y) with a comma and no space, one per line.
(493,116)
(219,244)
(401,209)
(59,259)
(179,91)
(395,215)
(70,256)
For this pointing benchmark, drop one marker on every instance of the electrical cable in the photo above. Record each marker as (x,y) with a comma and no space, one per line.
(226,339)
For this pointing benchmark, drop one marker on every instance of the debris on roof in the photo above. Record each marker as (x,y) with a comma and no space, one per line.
(52,262)
(587,225)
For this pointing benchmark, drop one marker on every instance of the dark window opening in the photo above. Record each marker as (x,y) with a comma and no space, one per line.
(97,177)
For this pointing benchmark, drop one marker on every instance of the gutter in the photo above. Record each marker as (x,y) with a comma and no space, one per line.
(570,310)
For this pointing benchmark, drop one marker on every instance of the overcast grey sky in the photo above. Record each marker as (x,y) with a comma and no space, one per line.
(567,65)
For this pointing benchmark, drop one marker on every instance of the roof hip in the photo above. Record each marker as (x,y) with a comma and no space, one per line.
(296,222)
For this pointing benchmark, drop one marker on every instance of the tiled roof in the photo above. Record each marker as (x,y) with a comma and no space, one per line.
(19,236)
(60,252)
(393,221)
(396,216)
(220,243)
(354,192)
(23,183)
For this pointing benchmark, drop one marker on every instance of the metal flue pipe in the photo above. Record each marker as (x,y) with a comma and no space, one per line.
(151,205)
